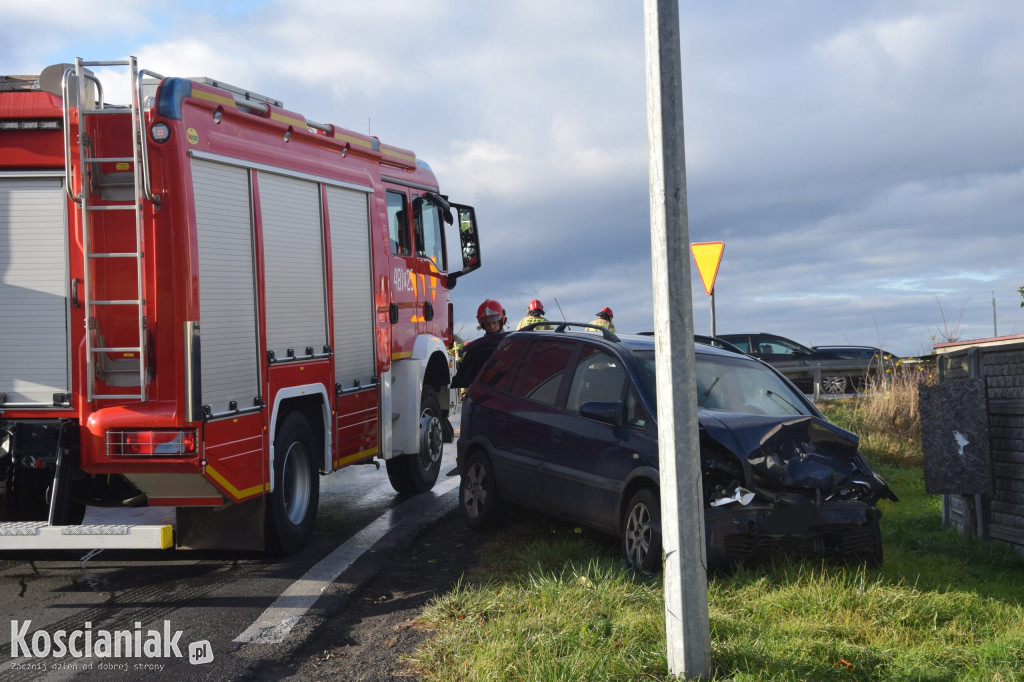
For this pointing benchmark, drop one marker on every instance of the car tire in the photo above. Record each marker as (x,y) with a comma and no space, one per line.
(834,385)
(417,473)
(641,534)
(478,493)
(873,557)
(292,506)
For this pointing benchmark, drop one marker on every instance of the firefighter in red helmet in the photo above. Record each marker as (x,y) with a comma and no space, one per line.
(490,316)
(534,314)
(604,319)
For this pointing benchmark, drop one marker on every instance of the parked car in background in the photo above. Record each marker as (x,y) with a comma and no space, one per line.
(564,422)
(707,341)
(841,371)
(875,357)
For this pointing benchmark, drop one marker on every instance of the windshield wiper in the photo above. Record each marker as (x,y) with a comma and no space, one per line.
(700,403)
(773,394)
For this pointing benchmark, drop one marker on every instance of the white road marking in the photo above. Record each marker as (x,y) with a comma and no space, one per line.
(278,620)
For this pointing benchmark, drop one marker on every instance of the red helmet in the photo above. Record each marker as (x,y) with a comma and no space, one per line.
(606,311)
(536,307)
(489,311)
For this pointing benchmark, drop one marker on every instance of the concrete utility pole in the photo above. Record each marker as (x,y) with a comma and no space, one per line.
(682,499)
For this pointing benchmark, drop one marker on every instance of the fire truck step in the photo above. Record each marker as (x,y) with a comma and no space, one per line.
(119,207)
(115,255)
(38,535)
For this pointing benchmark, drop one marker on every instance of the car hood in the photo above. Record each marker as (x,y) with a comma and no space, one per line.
(798,453)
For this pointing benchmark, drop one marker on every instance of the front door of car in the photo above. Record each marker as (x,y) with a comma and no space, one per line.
(575,472)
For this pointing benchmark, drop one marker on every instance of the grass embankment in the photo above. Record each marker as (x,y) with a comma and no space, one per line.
(553,602)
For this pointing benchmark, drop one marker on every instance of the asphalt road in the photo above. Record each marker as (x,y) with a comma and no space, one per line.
(244,610)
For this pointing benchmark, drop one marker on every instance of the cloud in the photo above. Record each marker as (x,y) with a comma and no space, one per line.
(861,161)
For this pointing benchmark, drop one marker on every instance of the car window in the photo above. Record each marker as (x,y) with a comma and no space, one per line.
(542,371)
(504,360)
(636,415)
(599,377)
(741,342)
(773,345)
(734,385)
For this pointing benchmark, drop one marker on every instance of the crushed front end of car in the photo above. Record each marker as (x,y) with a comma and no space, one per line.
(792,485)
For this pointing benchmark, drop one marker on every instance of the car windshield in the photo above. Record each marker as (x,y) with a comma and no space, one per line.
(734,385)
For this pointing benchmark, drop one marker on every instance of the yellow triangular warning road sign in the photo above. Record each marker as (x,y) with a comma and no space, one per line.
(707,256)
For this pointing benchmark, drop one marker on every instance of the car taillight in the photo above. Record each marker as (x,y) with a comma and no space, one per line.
(152,443)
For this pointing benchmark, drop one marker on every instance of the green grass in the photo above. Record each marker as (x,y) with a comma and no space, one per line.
(553,602)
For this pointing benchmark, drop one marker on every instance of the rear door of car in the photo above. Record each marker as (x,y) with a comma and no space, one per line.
(522,429)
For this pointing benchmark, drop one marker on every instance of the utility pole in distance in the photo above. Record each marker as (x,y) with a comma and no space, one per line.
(682,501)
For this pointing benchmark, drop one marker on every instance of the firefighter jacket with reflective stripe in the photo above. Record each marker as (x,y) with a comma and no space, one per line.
(530,319)
(601,322)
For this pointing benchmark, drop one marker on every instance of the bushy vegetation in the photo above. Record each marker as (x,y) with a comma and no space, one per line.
(886,416)
(553,602)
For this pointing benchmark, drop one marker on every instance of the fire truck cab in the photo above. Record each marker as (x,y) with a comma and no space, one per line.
(207,301)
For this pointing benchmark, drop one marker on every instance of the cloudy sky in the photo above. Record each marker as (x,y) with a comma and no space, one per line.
(862,162)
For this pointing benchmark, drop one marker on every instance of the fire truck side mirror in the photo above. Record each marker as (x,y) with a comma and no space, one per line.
(470,242)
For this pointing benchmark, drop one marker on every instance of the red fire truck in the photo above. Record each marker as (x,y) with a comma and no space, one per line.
(206,302)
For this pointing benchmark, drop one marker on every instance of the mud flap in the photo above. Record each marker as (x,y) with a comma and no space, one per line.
(234,527)
(447,430)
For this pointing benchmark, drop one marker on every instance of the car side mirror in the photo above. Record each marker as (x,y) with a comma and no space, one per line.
(609,413)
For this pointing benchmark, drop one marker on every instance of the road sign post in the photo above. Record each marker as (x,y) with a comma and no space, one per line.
(708,256)
(688,636)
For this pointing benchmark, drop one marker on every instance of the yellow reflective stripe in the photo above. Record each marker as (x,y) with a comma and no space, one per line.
(288,119)
(353,140)
(212,97)
(411,158)
(226,484)
(359,455)
(401,356)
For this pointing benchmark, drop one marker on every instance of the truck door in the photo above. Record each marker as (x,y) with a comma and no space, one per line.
(405,318)
(430,263)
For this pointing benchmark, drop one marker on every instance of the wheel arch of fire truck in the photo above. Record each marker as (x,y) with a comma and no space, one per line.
(207,302)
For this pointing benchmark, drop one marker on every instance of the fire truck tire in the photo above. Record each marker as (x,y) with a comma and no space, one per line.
(29,494)
(417,473)
(291,507)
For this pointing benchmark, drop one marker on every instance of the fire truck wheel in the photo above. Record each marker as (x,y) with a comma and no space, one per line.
(417,473)
(29,491)
(291,508)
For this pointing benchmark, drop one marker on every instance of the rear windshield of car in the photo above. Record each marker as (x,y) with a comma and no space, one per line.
(734,385)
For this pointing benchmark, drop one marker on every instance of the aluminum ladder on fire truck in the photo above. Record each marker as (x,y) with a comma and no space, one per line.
(131,368)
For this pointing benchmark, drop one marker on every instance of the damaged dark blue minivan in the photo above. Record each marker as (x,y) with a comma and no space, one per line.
(563,422)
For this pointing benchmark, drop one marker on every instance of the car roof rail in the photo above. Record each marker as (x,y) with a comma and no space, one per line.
(562,327)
